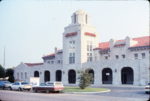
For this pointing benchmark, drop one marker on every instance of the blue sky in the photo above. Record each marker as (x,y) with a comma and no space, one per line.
(30,29)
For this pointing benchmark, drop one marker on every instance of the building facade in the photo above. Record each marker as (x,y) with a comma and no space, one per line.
(115,62)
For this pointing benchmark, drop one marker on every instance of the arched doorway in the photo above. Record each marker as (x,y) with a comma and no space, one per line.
(46,76)
(91,72)
(58,75)
(72,76)
(36,74)
(127,75)
(107,76)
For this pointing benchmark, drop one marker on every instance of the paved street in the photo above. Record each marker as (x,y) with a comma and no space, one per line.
(117,94)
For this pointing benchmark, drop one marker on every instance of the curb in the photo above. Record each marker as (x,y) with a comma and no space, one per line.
(88,92)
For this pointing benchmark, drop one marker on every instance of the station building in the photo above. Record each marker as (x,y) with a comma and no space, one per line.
(115,62)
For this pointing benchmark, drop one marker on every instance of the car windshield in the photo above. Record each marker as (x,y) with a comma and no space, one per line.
(42,84)
(24,83)
(49,84)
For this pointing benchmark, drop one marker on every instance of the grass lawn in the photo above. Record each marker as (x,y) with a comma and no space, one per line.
(77,89)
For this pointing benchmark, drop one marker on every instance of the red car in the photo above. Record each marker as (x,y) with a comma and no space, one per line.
(49,87)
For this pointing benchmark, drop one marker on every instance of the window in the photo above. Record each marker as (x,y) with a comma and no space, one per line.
(58,61)
(25,75)
(21,75)
(89,57)
(106,57)
(86,18)
(48,62)
(123,56)
(74,18)
(117,57)
(135,56)
(18,76)
(71,58)
(52,62)
(72,44)
(89,51)
(89,46)
(143,55)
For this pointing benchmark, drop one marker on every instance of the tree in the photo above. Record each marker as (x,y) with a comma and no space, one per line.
(2,72)
(10,74)
(85,79)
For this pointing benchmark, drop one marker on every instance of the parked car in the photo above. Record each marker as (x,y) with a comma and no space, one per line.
(147,88)
(5,84)
(49,87)
(20,86)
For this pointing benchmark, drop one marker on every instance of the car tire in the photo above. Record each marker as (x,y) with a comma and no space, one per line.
(47,91)
(10,88)
(3,87)
(20,89)
(34,90)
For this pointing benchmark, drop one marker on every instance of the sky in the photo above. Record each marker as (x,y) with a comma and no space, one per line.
(30,29)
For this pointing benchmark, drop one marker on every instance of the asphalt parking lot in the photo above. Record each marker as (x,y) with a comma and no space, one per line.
(116,94)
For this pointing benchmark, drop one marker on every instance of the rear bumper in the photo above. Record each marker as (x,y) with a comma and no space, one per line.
(147,90)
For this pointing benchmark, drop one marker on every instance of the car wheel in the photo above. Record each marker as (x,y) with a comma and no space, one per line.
(47,91)
(10,88)
(20,89)
(34,90)
(3,88)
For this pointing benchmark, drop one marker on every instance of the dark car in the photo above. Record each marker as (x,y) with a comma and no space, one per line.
(49,87)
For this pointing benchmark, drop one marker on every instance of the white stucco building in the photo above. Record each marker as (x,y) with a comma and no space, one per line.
(114,62)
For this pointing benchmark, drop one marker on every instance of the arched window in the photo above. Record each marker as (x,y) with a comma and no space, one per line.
(107,76)
(36,74)
(127,75)
(72,76)
(58,75)
(46,76)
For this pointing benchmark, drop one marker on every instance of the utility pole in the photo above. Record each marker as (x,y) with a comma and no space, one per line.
(4,58)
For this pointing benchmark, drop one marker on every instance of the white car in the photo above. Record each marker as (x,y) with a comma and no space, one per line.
(20,86)
(147,88)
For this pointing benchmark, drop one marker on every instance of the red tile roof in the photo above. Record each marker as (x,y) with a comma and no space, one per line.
(53,54)
(90,34)
(104,45)
(33,64)
(141,41)
(71,34)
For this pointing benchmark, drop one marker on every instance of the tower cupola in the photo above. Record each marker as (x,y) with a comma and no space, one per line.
(80,17)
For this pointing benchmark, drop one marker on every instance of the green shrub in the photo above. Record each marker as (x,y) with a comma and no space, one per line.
(85,79)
